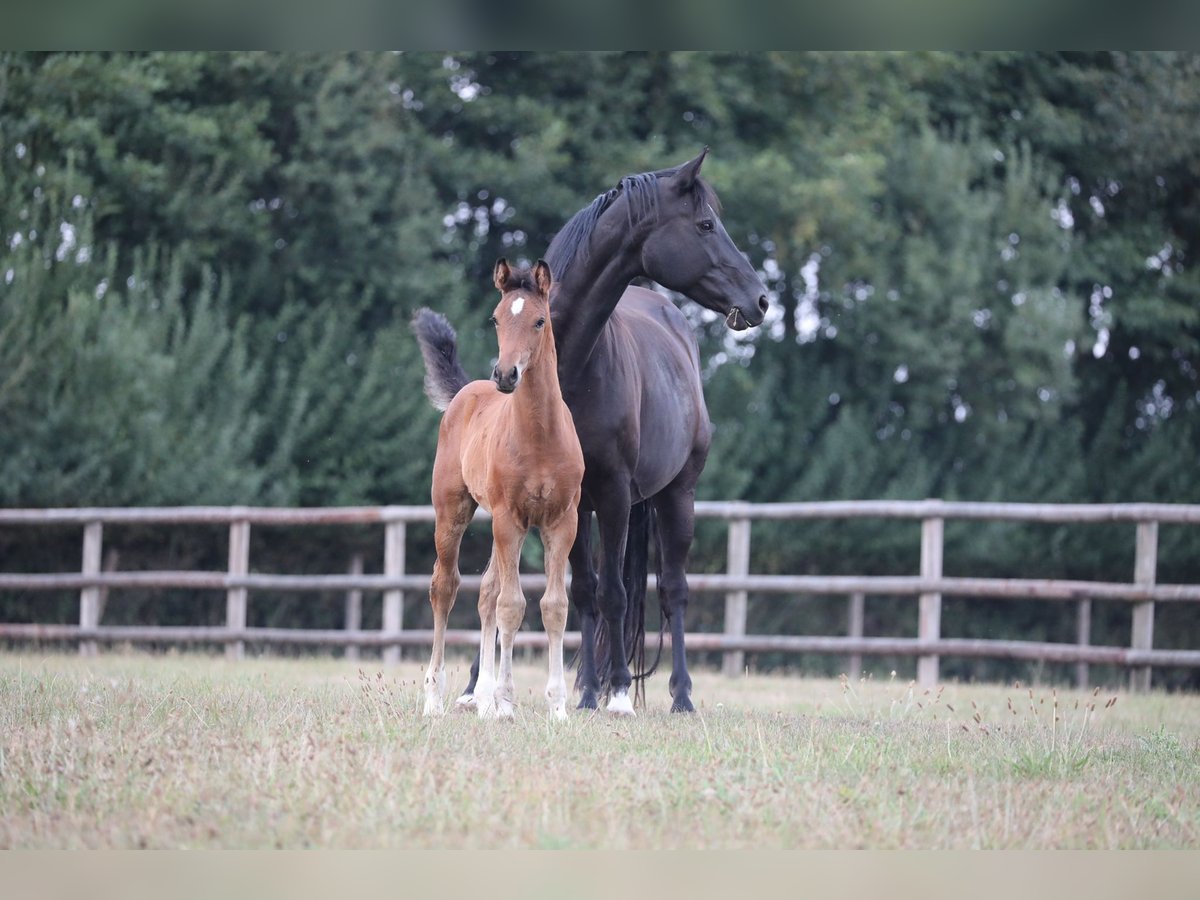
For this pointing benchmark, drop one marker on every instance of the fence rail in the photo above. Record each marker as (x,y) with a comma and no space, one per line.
(929,586)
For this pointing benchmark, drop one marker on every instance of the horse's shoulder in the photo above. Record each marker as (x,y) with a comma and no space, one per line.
(638,303)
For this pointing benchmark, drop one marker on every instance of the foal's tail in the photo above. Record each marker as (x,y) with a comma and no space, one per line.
(444,374)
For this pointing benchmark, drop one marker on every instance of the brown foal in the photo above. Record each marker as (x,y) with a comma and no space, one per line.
(508,445)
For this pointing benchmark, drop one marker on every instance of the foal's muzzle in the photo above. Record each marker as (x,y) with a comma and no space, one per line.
(506,381)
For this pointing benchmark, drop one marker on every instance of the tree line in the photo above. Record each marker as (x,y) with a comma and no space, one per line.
(979,267)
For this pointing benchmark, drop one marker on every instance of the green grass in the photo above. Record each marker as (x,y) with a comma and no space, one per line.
(130,750)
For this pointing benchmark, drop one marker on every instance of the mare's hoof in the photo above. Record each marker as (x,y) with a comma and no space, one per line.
(682,704)
(621,705)
(465,702)
(588,701)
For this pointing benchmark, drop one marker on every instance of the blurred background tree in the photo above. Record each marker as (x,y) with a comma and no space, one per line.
(980,268)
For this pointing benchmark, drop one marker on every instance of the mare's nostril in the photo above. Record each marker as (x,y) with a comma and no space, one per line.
(762,304)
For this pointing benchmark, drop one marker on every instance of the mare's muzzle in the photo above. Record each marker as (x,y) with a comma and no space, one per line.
(737,320)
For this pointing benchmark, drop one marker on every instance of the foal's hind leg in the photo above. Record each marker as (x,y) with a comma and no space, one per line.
(452,516)
(557,540)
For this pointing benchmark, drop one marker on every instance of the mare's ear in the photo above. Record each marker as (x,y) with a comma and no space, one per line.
(541,274)
(685,177)
(500,274)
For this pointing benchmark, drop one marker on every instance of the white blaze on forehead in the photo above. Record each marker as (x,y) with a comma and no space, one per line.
(518,305)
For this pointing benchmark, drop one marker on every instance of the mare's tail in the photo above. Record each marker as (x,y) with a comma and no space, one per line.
(643,528)
(444,374)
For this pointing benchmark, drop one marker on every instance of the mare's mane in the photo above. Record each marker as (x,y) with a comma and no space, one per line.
(572,241)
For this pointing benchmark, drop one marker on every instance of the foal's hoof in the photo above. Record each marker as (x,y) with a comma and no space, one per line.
(621,705)
(433,708)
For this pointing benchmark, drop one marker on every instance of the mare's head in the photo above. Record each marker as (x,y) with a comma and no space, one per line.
(522,320)
(688,249)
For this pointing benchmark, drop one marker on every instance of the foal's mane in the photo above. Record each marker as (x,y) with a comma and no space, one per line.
(571,242)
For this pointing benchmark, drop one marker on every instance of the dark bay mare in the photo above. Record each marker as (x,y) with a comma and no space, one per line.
(628,365)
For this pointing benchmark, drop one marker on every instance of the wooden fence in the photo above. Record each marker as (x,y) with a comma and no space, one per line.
(929,586)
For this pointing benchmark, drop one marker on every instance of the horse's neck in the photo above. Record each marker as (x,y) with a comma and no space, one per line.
(537,403)
(589,292)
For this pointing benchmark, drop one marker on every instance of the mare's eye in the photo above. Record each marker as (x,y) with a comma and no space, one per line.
(707,225)
(492,321)
(539,323)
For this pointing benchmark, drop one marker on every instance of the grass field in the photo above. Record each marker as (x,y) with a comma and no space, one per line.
(125,751)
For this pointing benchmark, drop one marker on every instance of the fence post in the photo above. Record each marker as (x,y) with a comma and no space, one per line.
(235,597)
(89,597)
(929,623)
(1083,637)
(734,661)
(393,601)
(1144,572)
(354,607)
(855,630)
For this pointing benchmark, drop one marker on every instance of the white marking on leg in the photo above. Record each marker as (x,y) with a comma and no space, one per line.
(620,704)
(435,691)
(466,701)
(485,696)
(517,306)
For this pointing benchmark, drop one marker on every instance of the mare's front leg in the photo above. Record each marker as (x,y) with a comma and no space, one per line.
(466,699)
(558,540)
(482,690)
(496,698)
(489,589)
(452,514)
(583,596)
(613,515)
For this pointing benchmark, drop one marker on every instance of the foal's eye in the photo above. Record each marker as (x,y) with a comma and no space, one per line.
(539,323)
(707,225)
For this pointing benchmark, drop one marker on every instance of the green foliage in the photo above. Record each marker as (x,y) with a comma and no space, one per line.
(980,268)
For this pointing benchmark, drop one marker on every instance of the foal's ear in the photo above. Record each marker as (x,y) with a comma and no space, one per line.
(685,177)
(500,274)
(541,274)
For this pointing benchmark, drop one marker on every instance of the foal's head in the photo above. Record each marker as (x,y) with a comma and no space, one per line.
(522,319)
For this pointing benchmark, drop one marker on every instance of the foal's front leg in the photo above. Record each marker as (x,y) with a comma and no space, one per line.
(496,698)
(557,540)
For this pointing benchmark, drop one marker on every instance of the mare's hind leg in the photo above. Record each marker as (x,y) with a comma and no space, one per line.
(452,515)
(558,540)
(675,506)
(496,698)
